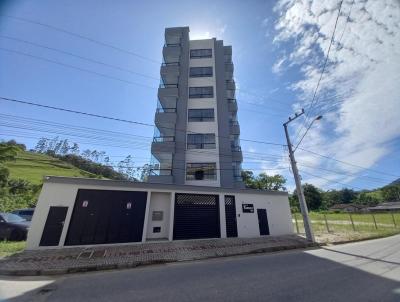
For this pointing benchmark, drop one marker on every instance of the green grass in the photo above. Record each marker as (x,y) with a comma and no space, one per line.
(8,248)
(340,224)
(33,167)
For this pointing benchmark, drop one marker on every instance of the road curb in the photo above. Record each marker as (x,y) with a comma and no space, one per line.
(128,265)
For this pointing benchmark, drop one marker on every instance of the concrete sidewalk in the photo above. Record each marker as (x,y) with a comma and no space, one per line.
(71,260)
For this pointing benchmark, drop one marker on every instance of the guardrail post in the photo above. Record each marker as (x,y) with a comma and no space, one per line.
(373,217)
(352,222)
(326,223)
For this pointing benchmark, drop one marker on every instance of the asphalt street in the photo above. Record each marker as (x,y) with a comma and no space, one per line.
(364,271)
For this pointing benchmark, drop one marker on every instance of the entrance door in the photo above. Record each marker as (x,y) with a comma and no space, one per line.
(263,221)
(53,226)
(196,216)
(230,216)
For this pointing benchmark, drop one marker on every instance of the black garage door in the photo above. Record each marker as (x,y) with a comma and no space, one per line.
(196,216)
(102,216)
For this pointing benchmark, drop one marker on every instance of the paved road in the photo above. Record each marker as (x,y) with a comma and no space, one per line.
(365,271)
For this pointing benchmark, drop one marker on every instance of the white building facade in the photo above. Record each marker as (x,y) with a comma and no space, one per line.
(195,191)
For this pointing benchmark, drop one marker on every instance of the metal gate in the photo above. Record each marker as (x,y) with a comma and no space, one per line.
(102,216)
(196,216)
(230,216)
(53,226)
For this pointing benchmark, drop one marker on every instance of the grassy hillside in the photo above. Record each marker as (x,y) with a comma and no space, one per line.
(33,167)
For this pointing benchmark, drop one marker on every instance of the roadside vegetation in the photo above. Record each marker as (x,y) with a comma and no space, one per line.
(341,227)
(8,248)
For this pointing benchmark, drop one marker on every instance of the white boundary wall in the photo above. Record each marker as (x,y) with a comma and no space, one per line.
(60,191)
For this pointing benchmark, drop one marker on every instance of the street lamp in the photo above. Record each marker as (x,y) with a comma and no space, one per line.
(300,193)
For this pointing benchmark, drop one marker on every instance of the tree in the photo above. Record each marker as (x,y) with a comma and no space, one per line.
(64,147)
(41,145)
(248,179)
(266,182)
(367,199)
(312,195)
(263,181)
(19,186)
(391,193)
(87,154)
(348,195)
(4,173)
(75,149)
(7,153)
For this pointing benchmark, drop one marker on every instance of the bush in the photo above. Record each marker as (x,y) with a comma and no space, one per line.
(10,203)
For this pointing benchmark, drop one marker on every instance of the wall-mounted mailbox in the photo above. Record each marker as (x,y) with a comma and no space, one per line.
(248,208)
(156,229)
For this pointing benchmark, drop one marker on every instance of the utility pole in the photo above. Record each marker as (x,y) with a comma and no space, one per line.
(300,193)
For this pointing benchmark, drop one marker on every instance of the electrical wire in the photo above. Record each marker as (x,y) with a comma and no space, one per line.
(52,27)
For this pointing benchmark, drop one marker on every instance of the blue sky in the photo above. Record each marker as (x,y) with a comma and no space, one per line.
(278,48)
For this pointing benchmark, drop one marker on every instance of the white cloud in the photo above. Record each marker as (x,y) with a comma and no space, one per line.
(359,92)
(277,67)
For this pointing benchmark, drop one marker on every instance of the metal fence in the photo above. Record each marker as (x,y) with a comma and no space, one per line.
(349,222)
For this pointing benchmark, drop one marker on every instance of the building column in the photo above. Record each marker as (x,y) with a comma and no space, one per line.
(171,217)
(146,217)
(222,219)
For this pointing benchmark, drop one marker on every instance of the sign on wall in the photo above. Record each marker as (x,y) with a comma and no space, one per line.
(248,208)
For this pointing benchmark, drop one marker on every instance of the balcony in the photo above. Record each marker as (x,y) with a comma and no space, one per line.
(171,53)
(163,144)
(232,105)
(228,71)
(170,72)
(230,94)
(173,35)
(237,155)
(168,95)
(234,128)
(163,176)
(230,85)
(165,118)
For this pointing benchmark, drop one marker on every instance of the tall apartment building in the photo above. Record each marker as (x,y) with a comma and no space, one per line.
(196,141)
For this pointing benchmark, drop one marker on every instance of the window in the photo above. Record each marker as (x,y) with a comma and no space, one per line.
(201,171)
(201,141)
(197,72)
(201,92)
(200,53)
(201,115)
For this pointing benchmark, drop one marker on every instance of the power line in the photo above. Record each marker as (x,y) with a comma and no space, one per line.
(76,67)
(341,183)
(371,179)
(80,57)
(82,37)
(121,120)
(322,72)
(346,163)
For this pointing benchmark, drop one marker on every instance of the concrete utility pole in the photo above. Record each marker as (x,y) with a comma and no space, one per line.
(300,193)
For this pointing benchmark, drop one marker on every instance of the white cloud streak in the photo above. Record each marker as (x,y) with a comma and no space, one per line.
(359,92)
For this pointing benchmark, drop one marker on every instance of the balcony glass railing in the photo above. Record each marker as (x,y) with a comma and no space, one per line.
(170,64)
(166,110)
(236,148)
(232,101)
(162,139)
(162,85)
(172,44)
(161,172)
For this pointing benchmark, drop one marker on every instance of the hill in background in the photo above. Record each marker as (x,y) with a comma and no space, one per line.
(33,167)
